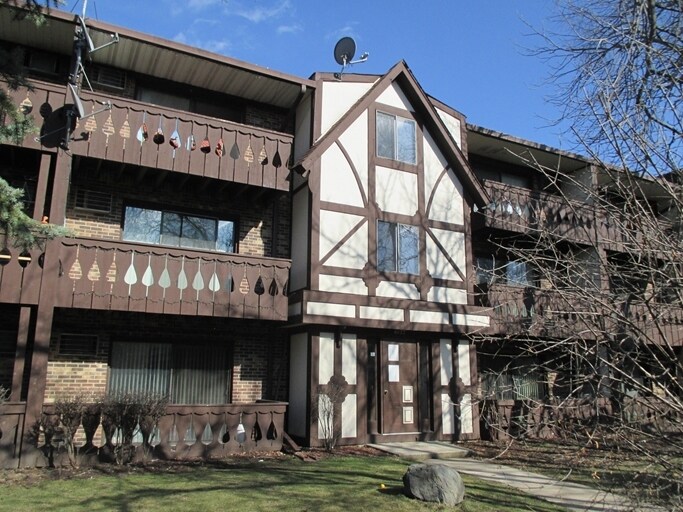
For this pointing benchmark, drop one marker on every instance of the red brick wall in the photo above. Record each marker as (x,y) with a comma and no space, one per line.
(259,351)
(255,221)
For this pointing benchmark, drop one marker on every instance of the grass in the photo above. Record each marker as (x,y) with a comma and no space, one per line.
(339,483)
(636,474)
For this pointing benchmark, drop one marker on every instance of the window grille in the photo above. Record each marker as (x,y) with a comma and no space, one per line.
(93,200)
(78,344)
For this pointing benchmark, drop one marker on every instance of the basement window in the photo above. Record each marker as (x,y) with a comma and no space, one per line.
(78,344)
(93,200)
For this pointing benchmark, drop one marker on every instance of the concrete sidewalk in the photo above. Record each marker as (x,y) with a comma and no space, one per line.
(565,494)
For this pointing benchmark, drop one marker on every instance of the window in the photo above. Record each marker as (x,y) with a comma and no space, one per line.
(190,375)
(398,248)
(78,344)
(164,99)
(93,200)
(511,377)
(178,229)
(519,385)
(108,77)
(489,270)
(396,138)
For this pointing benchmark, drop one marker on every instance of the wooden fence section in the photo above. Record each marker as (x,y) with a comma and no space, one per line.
(526,211)
(96,274)
(503,419)
(150,136)
(11,430)
(21,275)
(537,312)
(184,432)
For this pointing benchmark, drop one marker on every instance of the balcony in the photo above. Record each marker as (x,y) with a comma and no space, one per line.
(516,310)
(527,211)
(184,432)
(21,275)
(149,136)
(96,274)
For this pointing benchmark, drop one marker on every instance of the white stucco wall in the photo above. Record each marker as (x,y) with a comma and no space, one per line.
(334,226)
(394,97)
(396,191)
(453,243)
(338,97)
(452,125)
(337,181)
(444,191)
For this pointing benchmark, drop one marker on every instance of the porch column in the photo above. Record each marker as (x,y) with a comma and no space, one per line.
(60,189)
(20,353)
(30,455)
(41,189)
(466,365)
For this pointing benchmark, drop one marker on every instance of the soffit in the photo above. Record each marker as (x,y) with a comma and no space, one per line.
(509,149)
(160,58)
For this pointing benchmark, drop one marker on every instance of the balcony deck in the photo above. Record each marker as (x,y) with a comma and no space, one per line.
(105,275)
(533,312)
(526,211)
(140,134)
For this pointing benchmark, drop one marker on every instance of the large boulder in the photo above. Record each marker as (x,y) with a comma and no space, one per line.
(434,482)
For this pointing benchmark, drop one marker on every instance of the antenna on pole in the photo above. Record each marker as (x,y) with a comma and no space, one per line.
(82,43)
(344,51)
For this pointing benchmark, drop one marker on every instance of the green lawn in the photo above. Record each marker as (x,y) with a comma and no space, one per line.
(346,483)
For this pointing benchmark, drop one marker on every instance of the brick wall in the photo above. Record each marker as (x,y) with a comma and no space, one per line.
(255,221)
(264,118)
(259,351)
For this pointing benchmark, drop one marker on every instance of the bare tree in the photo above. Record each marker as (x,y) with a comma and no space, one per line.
(599,319)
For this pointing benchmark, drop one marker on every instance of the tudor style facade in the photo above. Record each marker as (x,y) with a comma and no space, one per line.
(381,286)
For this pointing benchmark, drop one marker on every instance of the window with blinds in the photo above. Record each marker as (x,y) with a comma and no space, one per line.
(188,374)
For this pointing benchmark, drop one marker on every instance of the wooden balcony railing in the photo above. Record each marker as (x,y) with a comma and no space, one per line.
(147,135)
(184,432)
(526,211)
(21,275)
(515,310)
(532,311)
(96,274)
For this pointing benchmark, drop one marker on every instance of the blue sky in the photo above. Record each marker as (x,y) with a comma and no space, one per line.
(469,54)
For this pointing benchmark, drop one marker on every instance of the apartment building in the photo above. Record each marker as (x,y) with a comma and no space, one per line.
(256,246)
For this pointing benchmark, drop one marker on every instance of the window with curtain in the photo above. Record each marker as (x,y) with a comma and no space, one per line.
(187,374)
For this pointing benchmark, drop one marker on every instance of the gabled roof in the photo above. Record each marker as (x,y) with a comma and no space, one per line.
(401,74)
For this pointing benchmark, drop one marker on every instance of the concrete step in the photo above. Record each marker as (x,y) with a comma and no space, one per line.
(423,450)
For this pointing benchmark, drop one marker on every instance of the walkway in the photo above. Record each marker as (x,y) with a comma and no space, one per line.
(565,494)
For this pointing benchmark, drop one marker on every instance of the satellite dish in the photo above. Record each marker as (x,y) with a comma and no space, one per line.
(344,50)
(78,104)
(88,40)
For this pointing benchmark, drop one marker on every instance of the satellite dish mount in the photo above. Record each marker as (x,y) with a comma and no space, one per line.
(82,43)
(344,51)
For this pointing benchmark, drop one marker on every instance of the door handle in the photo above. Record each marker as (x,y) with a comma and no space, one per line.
(386,391)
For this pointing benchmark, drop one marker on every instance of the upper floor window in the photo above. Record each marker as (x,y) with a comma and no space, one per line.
(396,138)
(178,229)
(398,248)
(489,270)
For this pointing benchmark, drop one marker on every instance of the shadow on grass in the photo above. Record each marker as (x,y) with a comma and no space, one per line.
(337,483)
